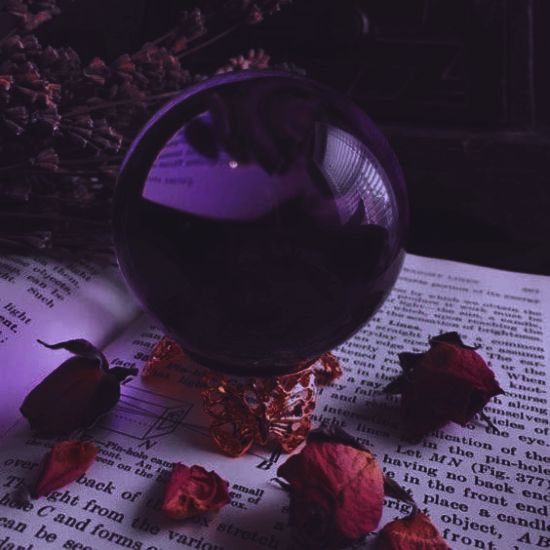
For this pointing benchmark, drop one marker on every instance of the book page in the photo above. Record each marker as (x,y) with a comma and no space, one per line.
(53,301)
(482,488)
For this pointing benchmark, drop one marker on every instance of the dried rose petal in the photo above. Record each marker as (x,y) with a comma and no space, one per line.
(75,394)
(414,532)
(336,491)
(65,463)
(192,491)
(449,383)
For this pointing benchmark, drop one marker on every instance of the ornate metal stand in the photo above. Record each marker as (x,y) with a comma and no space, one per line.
(267,411)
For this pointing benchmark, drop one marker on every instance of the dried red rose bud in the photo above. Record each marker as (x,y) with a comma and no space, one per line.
(336,491)
(65,463)
(75,394)
(414,532)
(449,383)
(192,491)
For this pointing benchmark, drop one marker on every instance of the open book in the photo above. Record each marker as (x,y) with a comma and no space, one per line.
(483,489)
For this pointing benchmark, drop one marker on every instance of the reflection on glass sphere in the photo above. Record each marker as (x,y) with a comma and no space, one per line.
(260,218)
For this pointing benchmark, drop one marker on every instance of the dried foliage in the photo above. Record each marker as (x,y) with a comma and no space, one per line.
(66,125)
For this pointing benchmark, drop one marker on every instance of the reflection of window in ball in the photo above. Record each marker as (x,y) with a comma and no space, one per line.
(260,218)
(355,176)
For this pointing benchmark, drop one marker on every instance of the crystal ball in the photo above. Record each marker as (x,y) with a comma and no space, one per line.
(260,218)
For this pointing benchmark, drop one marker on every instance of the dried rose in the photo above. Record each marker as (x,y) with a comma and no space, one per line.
(65,463)
(193,491)
(449,383)
(414,532)
(336,491)
(75,394)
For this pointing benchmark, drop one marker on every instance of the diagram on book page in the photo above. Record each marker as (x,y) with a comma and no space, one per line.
(143,414)
(146,416)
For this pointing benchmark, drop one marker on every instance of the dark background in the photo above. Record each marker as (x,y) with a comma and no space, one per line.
(460,87)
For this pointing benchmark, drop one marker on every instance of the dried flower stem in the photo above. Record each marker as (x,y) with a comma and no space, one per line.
(212,40)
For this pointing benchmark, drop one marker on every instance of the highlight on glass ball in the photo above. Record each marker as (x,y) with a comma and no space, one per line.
(260,218)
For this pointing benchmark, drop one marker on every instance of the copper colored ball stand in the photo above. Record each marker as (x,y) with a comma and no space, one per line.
(267,411)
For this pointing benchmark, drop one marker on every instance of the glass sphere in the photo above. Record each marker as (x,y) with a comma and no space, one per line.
(260,218)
